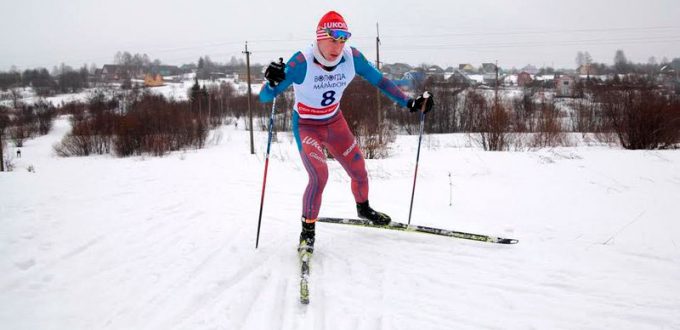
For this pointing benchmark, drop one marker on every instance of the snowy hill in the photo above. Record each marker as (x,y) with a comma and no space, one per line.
(170,90)
(168,243)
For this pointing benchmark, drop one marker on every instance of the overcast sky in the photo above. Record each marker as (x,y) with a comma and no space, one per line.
(44,33)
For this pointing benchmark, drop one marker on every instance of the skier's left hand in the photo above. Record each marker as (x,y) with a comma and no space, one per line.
(417,103)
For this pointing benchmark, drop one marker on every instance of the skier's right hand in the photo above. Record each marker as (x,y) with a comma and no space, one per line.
(275,73)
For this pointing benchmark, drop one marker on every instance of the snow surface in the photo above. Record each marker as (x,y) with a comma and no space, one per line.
(479,78)
(168,243)
(171,90)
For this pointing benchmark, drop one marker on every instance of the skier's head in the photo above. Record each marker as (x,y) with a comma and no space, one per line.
(331,35)
(332,26)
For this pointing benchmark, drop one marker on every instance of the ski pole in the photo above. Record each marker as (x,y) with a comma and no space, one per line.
(450,190)
(266,166)
(426,95)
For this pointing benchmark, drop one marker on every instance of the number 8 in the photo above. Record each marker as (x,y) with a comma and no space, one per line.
(328,98)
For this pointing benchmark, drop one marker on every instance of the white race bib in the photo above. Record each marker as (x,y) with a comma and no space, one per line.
(318,96)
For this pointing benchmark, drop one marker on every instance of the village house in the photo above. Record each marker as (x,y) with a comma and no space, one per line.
(151,80)
(396,70)
(530,69)
(434,70)
(669,78)
(467,68)
(489,68)
(459,77)
(565,86)
(217,75)
(489,72)
(112,73)
(166,70)
(524,79)
(416,77)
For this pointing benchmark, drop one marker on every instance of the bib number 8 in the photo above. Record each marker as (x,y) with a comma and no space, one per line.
(328,98)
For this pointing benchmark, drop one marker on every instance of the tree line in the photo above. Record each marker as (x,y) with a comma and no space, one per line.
(21,123)
(633,112)
(140,122)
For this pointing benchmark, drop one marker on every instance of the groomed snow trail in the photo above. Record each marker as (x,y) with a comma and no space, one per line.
(168,243)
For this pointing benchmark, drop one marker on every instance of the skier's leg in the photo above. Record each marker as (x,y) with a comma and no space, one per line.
(314,161)
(343,146)
(309,140)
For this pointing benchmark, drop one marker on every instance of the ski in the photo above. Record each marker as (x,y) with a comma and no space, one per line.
(421,229)
(305,256)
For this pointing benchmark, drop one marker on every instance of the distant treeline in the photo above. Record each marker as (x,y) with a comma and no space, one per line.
(63,80)
(633,112)
(66,79)
(139,122)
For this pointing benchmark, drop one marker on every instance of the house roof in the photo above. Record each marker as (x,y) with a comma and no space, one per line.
(530,69)
(489,66)
(111,68)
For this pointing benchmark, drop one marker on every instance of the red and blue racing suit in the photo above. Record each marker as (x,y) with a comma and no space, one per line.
(318,122)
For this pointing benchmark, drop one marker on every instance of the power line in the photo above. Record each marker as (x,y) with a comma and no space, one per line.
(533,31)
(410,47)
(536,44)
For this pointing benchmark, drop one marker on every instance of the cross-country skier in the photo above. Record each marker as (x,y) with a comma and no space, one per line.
(319,75)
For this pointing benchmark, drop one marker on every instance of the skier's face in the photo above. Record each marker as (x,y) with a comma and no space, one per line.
(331,49)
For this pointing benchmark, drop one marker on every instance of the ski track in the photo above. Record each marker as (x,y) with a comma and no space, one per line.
(155,245)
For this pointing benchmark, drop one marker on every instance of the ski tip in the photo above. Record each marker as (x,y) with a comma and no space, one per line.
(304,301)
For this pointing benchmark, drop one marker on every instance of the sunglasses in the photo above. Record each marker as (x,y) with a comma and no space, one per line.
(338,35)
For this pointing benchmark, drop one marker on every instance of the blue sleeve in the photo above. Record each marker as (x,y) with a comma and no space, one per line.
(375,77)
(296,69)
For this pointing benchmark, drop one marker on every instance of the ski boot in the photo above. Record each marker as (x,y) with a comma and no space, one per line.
(307,236)
(364,211)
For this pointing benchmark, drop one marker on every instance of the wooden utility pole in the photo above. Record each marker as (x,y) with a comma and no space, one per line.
(250,110)
(2,155)
(4,122)
(496,91)
(377,93)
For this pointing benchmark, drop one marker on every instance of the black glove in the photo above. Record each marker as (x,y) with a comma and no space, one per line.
(417,103)
(275,73)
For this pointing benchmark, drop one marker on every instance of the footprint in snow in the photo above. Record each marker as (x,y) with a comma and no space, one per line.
(25,265)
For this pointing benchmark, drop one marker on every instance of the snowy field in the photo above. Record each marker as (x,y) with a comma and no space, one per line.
(171,90)
(168,243)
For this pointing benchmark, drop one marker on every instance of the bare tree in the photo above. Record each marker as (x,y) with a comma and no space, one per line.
(495,124)
(621,64)
(549,131)
(523,109)
(358,103)
(641,117)
(587,58)
(9,80)
(151,124)
(580,59)
(4,122)
(586,117)
(15,94)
